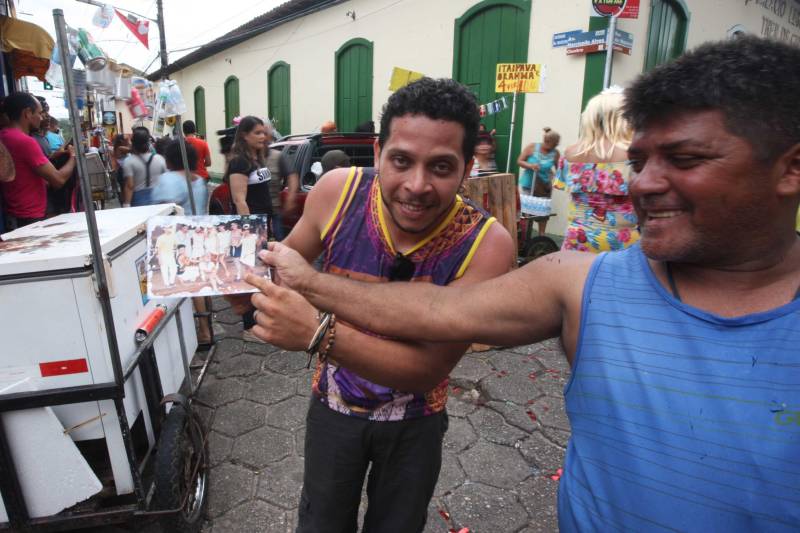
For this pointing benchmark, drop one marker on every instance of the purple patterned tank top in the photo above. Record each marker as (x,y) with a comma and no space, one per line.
(357,245)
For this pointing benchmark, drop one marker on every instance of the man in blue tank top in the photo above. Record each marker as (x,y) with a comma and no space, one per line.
(684,399)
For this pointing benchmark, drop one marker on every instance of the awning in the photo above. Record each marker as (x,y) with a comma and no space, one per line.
(29,45)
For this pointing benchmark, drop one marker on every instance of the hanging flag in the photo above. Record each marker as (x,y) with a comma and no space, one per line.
(402,77)
(140,28)
(496,106)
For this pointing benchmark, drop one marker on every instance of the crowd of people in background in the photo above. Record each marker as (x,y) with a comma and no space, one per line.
(41,181)
(25,133)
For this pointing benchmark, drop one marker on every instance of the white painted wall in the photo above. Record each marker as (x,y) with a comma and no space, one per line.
(418,35)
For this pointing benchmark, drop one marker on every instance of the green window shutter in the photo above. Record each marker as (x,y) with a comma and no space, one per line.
(231,100)
(491,32)
(595,66)
(666,38)
(279,97)
(200,110)
(353,89)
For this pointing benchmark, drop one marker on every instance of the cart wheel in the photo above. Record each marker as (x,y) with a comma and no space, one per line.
(180,447)
(537,247)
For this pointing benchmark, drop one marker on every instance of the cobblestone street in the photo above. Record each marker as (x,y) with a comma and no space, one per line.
(502,452)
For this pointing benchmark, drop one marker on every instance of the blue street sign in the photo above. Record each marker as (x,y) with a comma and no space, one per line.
(566,38)
(623,38)
(588,38)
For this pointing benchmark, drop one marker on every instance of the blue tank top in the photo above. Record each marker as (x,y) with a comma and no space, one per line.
(546,162)
(682,420)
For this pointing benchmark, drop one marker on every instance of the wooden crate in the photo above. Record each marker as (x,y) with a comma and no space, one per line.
(497,194)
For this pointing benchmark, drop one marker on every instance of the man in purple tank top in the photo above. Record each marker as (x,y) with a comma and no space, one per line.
(401,221)
(685,395)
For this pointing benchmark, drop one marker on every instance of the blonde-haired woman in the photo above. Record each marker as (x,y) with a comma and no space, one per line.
(595,173)
(539,162)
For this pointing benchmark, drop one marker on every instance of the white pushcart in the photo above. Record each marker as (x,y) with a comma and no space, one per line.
(79,421)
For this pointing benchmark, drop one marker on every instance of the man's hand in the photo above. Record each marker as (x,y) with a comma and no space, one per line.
(283,317)
(292,270)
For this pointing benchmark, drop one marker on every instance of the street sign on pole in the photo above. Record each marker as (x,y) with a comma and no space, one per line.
(587,42)
(623,42)
(567,38)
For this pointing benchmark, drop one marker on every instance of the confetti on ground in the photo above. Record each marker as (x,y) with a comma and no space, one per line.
(557,475)
(531,415)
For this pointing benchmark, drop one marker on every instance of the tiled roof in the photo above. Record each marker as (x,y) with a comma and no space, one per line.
(285,12)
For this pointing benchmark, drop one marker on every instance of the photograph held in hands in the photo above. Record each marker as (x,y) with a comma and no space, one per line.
(204,255)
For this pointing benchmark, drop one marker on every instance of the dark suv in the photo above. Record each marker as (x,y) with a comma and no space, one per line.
(303,151)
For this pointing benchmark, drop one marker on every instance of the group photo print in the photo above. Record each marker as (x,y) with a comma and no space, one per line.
(204,255)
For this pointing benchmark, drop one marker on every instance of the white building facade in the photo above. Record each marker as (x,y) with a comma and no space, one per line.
(312,61)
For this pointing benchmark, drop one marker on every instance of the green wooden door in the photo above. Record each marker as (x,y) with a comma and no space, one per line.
(353,84)
(231,100)
(666,39)
(200,110)
(491,32)
(279,97)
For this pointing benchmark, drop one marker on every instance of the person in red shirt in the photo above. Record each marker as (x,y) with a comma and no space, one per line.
(200,146)
(25,198)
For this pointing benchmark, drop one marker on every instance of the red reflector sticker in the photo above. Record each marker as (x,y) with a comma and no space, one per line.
(61,368)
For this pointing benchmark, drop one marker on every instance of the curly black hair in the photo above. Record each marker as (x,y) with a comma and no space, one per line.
(438,99)
(16,103)
(755,82)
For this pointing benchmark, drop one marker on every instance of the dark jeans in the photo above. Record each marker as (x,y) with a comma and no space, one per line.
(404,459)
(141,197)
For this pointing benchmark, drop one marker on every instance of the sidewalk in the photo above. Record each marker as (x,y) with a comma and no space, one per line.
(501,459)
(504,446)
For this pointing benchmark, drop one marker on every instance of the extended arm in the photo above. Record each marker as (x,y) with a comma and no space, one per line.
(522,160)
(7,171)
(238,183)
(56,178)
(527,305)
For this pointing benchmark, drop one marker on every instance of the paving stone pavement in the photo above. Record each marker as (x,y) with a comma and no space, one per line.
(502,452)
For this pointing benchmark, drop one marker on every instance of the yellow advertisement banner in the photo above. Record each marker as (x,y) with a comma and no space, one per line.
(402,77)
(519,77)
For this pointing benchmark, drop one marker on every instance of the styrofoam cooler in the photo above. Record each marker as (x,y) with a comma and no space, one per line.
(53,330)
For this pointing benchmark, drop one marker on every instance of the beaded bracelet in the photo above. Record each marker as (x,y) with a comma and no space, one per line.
(323,354)
(319,334)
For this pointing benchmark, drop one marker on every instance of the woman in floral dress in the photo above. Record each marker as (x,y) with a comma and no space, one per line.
(595,173)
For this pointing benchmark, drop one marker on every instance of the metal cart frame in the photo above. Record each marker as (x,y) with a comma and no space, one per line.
(143,360)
